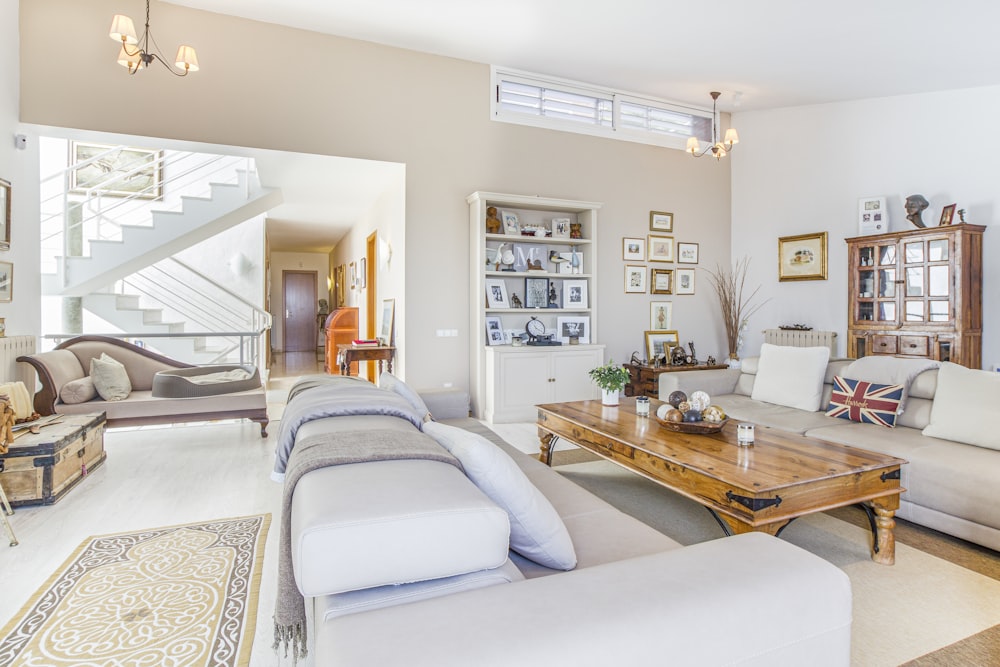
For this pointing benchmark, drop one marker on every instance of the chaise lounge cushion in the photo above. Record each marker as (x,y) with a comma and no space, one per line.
(110,378)
(205,381)
(78,391)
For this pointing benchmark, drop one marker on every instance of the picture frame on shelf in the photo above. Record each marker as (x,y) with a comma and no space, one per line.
(687,253)
(573,264)
(661,248)
(633,249)
(6,282)
(536,292)
(5,194)
(802,257)
(661,281)
(947,215)
(494,331)
(496,293)
(661,221)
(684,281)
(569,327)
(511,226)
(635,279)
(509,335)
(658,343)
(387,334)
(873,216)
(575,294)
(560,228)
(661,315)
(128,172)
(530,257)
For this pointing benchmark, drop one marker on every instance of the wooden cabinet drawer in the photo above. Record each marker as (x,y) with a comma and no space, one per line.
(884,344)
(917,346)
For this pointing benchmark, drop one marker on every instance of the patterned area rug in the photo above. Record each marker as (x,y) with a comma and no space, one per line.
(174,596)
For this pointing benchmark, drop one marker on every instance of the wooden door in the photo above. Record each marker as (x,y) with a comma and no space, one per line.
(299,296)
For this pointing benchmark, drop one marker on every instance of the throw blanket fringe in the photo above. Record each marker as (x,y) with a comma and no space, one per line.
(319,451)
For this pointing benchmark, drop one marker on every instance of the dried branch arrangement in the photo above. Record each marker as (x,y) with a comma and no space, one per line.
(730,286)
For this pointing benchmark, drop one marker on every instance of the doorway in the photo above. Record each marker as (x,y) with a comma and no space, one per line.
(299,331)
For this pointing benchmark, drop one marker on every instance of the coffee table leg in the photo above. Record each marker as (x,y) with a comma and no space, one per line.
(548,441)
(885,510)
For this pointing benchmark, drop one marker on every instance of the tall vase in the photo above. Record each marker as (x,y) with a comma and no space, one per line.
(734,360)
(609,397)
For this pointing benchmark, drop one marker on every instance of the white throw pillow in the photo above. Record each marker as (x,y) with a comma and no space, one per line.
(537,532)
(964,403)
(791,376)
(389,381)
(80,390)
(20,399)
(110,378)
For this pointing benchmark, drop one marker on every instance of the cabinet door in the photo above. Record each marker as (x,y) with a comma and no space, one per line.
(928,281)
(572,383)
(523,381)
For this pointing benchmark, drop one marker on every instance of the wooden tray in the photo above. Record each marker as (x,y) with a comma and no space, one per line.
(701,427)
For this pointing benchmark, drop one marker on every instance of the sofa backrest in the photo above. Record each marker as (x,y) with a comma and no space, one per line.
(140,368)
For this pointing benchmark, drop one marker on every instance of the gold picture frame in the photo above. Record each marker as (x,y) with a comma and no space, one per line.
(661,281)
(802,257)
(658,343)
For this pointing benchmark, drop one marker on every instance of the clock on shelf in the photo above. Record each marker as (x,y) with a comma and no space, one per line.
(535,329)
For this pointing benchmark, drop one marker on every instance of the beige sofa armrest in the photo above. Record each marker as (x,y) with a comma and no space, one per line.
(55,368)
(715,382)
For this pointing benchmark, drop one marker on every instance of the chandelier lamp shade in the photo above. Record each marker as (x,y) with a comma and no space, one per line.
(719,149)
(135,53)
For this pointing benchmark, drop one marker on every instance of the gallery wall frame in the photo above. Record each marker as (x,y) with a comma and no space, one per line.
(660,248)
(661,221)
(661,281)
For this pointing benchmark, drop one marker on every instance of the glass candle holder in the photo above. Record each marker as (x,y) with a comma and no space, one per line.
(744,435)
(642,406)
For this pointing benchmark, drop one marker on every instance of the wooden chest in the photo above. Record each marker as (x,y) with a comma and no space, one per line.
(645,380)
(41,468)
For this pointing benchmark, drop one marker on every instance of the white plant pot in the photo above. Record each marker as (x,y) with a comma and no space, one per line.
(609,397)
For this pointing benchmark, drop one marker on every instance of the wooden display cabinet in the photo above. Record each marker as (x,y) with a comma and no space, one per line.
(917,293)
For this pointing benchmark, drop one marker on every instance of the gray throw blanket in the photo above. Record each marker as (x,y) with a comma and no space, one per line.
(319,451)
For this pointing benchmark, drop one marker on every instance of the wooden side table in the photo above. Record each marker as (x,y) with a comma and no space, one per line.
(645,380)
(348,354)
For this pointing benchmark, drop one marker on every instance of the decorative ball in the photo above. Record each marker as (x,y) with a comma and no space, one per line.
(675,416)
(684,406)
(692,416)
(700,400)
(676,397)
(713,414)
(661,412)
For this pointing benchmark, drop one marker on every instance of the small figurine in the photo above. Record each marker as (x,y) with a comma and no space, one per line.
(553,297)
(961,216)
(692,358)
(575,230)
(915,205)
(710,361)
(677,356)
(515,301)
(493,224)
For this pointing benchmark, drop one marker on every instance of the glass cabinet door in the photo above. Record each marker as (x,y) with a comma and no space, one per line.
(927,278)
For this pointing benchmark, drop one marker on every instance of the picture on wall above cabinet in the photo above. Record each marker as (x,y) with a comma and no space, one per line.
(4,215)
(684,281)
(661,281)
(560,228)
(511,227)
(633,250)
(494,331)
(531,257)
(574,294)
(661,315)
(660,221)
(573,263)
(635,279)
(496,293)
(802,257)
(568,328)
(687,253)
(661,248)
(873,216)
(536,292)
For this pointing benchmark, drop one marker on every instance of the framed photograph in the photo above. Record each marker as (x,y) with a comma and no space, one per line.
(511,227)
(387,334)
(660,221)
(661,315)
(658,343)
(123,172)
(684,281)
(363,272)
(687,253)
(568,327)
(633,250)
(573,263)
(661,281)
(661,248)
(560,228)
(494,331)
(947,214)
(873,216)
(510,334)
(496,293)
(530,257)
(4,215)
(6,282)
(536,292)
(802,257)
(575,294)
(635,279)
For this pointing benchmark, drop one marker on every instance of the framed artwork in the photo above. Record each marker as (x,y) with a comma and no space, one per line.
(122,172)
(568,327)
(4,215)
(661,315)
(661,281)
(684,281)
(496,293)
(873,216)
(6,282)
(494,331)
(633,250)
(660,221)
(573,263)
(511,227)
(658,343)
(947,214)
(388,331)
(354,275)
(560,228)
(530,257)
(536,292)
(575,294)
(802,257)
(363,272)
(635,279)
(687,253)
(661,248)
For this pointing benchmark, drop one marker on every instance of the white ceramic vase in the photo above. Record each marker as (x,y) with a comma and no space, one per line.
(609,397)
(734,361)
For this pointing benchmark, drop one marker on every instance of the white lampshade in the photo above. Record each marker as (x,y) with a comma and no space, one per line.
(692,145)
(732,137)
(123,30)
(186,59)
(132,61)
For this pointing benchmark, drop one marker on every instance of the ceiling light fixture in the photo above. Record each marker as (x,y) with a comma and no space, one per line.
(135,53)
(718,148)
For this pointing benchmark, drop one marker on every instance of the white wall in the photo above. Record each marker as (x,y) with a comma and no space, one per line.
(802,170)
(294,261)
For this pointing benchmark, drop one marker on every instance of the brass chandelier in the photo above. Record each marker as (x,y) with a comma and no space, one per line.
(135,53)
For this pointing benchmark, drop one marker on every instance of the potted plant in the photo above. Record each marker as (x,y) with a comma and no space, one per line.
(611,378)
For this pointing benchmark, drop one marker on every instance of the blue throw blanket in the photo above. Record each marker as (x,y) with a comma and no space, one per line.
(334,396)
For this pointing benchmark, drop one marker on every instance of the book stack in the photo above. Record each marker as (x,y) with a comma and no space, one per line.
(365,342)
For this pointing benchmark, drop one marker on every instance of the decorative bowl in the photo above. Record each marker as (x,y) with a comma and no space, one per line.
(701,427)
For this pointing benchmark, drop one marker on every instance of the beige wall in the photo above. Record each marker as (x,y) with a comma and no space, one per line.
(314,93)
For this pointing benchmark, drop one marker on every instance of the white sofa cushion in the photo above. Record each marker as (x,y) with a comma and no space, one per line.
(110,378)
(965,400)
(791,376)
(536,530)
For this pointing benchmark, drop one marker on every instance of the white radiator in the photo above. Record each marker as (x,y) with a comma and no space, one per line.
(12,347)
(800,338)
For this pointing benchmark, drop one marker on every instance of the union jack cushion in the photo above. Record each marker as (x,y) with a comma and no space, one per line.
(865,402)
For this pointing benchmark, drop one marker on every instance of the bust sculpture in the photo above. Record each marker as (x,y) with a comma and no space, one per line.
(915,205)
(493,224)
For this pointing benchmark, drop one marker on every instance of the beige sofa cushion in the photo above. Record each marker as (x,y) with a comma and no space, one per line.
(78,391)
(965,400)
(791,376)
(110,378)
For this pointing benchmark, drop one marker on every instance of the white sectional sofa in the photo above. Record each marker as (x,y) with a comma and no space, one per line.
(947,432)
(411,562)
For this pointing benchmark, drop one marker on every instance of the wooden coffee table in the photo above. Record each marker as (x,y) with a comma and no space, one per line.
(759,488)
